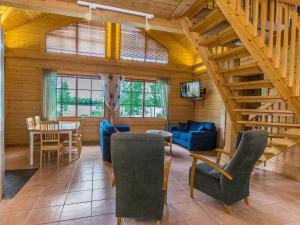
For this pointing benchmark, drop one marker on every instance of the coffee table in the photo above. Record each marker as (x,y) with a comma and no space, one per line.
(168,136)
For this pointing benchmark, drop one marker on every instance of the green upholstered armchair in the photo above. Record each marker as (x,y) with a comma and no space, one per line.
(138,165)
(229,184)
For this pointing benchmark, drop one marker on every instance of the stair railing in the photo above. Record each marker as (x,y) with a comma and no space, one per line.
(275,25)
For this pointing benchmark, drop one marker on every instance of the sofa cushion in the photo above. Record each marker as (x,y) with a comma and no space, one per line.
(184,127)
(194,126)
(184,136)
(176,134)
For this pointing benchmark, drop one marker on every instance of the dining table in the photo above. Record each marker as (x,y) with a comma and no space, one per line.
(64,127)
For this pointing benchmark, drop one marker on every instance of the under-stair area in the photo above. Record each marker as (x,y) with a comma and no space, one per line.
(253,57)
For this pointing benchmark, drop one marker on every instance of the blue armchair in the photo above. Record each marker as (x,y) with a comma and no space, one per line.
(195,136)
(106,130)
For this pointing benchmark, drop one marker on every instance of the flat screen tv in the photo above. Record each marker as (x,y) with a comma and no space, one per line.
(190,89)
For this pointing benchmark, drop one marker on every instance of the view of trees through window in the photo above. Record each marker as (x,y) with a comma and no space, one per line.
(80,96)
(140,99)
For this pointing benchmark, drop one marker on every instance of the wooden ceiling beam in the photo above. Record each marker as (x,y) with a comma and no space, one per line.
(182,8)
(74,10)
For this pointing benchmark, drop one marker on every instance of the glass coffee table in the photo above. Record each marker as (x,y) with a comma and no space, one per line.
(168,136)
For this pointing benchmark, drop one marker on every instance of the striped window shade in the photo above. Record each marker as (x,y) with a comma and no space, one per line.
(137,46)
(77,39)
(62,40)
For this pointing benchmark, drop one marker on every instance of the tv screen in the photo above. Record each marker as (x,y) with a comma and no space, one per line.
(190,89)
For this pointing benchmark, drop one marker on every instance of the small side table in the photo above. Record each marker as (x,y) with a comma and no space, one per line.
(168,136)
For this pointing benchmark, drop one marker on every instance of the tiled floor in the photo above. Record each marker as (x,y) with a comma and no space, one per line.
(81,194)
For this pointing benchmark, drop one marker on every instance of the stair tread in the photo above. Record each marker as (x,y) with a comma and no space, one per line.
(268,124)
(249,85)
(243,70)
(256,98)
(214,17)
(220,38)
(230,54)
(263,111)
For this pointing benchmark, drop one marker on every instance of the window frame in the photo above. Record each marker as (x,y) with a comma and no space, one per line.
(76,52)
(77,77)
(144,81)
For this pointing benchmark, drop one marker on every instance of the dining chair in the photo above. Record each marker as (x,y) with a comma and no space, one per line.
(29,123)
(77,136)
(37,120)
(50,140)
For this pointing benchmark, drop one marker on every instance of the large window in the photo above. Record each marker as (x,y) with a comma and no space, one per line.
(136,45)
(77,39)
(80,96)
(140,99)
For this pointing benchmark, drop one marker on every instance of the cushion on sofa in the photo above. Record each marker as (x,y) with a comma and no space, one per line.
(184,127)
(176,134)
(184,136)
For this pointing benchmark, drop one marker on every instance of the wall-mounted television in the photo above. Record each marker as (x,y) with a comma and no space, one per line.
(190,89)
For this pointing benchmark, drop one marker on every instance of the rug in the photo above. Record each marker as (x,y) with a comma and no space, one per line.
(14,180)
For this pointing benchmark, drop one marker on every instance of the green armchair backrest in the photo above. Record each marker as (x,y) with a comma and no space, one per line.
(138,165)
(250,147)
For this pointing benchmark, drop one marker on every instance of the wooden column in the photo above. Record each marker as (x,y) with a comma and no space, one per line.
(2,165)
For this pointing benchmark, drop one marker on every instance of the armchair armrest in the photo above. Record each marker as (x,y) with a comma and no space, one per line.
(123,128)
(211,163)
(221,151)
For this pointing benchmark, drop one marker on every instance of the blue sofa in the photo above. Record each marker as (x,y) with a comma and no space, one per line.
(195,136)
(106,130)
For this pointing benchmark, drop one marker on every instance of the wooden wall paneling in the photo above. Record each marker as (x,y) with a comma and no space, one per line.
(212,108)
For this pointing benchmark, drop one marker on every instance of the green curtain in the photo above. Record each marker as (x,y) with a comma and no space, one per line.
(163,90)
(49,95)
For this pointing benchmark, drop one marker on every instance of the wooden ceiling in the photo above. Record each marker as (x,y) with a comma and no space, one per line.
(160,8)
(13,18)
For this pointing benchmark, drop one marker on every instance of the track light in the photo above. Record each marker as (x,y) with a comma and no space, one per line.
(116,9)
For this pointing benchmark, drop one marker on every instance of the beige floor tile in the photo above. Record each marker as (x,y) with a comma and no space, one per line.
(79,196)
(102,207)
(44,215)
(109,219)
(103,193)
(81,186)
(75,211)
(82,221)
(51,200)
(16,217)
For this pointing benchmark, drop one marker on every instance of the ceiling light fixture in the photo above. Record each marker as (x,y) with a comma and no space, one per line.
(116,9)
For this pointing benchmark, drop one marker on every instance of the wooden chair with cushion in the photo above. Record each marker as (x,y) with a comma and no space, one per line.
(138,166)
(230,183)
(29,123)
(50,140)
(77,136)
(37,120)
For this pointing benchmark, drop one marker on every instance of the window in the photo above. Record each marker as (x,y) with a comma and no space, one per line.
(77,39)
(136,45)
(80,96)
(140,99)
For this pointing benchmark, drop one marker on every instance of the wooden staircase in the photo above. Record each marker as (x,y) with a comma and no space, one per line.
(250,71)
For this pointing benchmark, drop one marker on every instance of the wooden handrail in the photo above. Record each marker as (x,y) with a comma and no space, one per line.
(281,20)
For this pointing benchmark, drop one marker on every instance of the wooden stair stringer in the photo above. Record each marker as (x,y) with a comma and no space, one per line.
(258,53)
(212,69)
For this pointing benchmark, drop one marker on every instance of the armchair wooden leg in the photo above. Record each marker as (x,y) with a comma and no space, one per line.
(192,179)
(119,221)
(157,222)
(247,201)
(228,209)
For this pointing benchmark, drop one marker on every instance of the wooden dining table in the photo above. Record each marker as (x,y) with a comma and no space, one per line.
(64,127)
